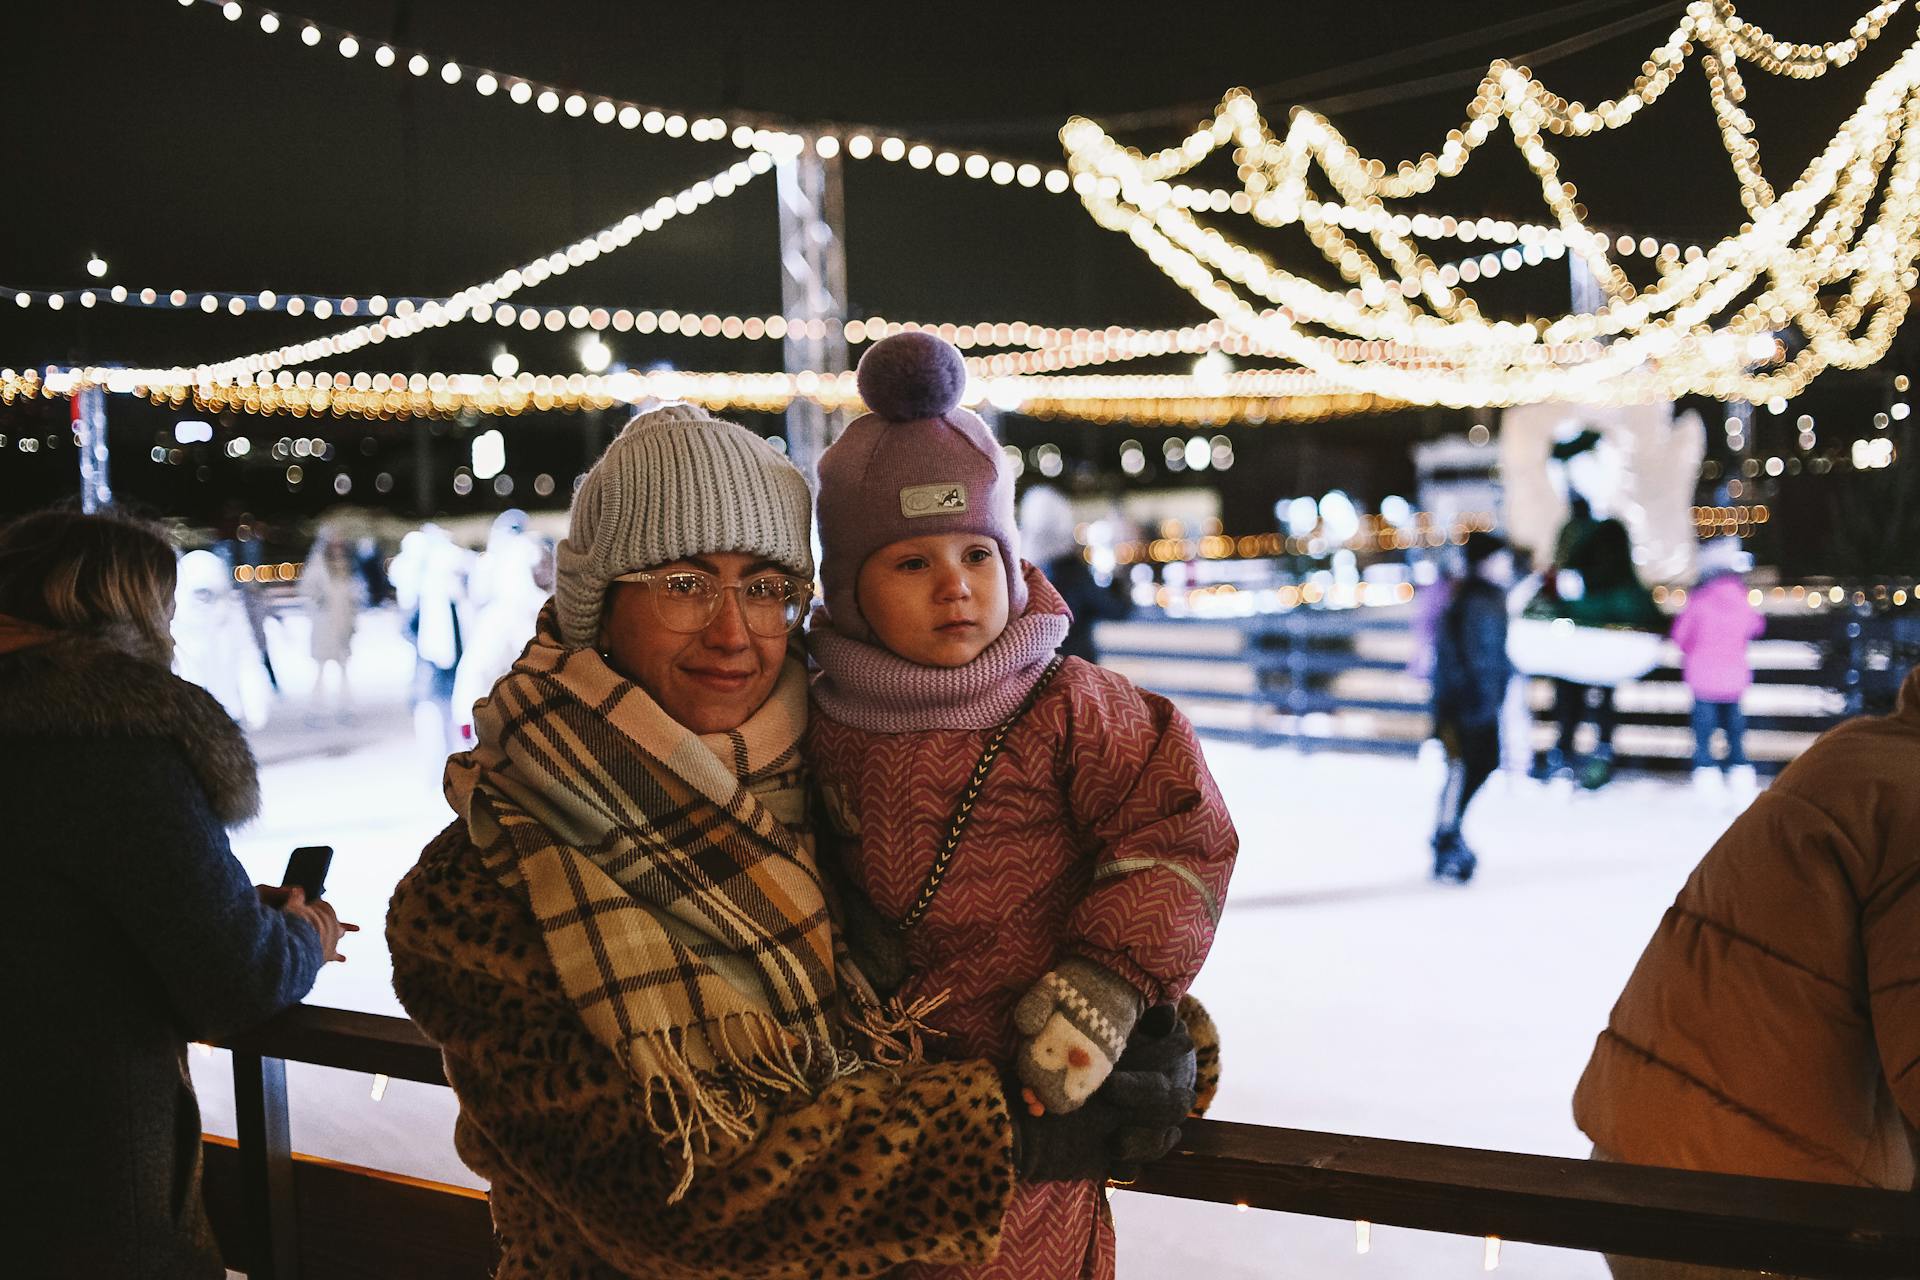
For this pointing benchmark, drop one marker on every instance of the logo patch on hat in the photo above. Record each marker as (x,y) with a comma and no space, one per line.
(933,500)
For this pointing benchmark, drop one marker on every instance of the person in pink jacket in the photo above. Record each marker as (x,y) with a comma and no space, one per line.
(1713,632)
(1034,842)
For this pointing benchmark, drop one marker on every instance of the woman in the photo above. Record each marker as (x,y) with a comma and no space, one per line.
(666,1065)
(134,929)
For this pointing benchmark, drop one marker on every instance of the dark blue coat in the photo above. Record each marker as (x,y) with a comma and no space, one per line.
(1470,666)
(131,930)
(1087,601)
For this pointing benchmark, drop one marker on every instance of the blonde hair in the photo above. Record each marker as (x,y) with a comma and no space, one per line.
(101,573)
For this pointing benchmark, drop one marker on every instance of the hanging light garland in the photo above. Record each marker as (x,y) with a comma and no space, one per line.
(758,131)
(488,298)
(1051,348)
(211,301)
(693,323)
(1247,396)
(747,131)
(520,90)
(1809,258)
(1099,346)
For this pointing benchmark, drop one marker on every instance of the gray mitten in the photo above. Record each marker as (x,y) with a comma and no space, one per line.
(1074,1024)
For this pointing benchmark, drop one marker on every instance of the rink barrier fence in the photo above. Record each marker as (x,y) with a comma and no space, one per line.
(1295,661)
(280,1214)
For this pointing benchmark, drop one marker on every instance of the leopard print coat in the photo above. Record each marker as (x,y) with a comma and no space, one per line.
(873,1171)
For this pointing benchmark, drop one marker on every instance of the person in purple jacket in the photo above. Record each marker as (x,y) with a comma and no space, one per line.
(1713,632)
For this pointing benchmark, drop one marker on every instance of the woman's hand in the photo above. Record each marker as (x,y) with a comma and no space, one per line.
(292,900)
(1133,1118)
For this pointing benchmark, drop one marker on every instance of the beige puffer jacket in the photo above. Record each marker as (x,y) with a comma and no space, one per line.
(1772,1026)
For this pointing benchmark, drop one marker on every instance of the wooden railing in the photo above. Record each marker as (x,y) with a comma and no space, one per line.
(281,1215)
(1342,665)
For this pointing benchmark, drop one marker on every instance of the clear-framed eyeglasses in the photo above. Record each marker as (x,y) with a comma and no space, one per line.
(686,600)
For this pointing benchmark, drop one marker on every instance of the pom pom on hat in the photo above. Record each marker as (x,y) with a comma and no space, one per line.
(911,376)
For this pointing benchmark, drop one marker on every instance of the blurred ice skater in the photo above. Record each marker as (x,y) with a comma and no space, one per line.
(519,578)
(430,582)
(1471,675)
(1713,632)
(334,592)
(213,642)
(1047,534)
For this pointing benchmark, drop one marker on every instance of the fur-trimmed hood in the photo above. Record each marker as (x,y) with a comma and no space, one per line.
(75,686)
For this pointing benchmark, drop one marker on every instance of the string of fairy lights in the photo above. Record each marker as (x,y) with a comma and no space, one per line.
(763,132)
(1293,395)
(748,130)
(489,298)
(1052,348)
(1689,332)
(744,130)
(692,323)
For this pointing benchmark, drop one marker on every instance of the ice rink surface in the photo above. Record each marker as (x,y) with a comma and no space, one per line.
(1353,995)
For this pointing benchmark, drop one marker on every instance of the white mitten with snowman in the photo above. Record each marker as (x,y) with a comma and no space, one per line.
(1073,1025)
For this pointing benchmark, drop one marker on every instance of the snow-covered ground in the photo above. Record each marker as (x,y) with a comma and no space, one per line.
(1353,994)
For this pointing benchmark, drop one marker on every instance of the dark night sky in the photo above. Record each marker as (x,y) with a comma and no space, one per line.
(196,153)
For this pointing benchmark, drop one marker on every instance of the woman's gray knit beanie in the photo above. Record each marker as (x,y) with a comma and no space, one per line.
(677,483)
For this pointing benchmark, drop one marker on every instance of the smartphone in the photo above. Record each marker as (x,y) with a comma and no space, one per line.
(308,869)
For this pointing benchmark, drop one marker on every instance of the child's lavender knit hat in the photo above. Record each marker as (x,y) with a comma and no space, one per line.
(918,464)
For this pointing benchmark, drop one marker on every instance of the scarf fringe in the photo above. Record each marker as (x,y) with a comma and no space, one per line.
(752,1054)
(754,1057)
(897,1033)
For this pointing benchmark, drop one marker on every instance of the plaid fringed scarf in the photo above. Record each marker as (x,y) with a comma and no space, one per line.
(673,879)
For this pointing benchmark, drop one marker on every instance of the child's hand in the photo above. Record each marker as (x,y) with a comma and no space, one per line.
(1074,1022)
(1060,1067)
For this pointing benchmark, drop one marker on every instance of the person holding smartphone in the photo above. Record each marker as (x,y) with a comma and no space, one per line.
(133,929)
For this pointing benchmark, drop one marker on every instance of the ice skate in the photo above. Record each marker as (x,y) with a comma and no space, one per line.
(1453,862)
(1596,771)
(1557,772)
(1709,784)
(1456,866)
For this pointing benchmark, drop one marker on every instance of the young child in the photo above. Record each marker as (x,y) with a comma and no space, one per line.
(1093,861)
(1713,632)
